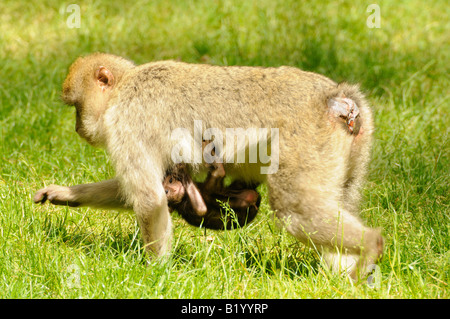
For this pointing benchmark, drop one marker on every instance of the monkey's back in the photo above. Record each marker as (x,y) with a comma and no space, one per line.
(221,96)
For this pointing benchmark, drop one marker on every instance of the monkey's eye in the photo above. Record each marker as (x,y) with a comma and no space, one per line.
(171,180)
(167,191)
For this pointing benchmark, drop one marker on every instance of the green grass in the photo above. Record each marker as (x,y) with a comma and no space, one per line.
(57,252)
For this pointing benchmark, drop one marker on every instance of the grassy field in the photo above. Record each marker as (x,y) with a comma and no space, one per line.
(57,252)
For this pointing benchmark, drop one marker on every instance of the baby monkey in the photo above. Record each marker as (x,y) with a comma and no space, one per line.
(197,202)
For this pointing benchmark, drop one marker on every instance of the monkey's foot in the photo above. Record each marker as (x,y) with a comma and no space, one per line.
(346,109)
(251,197)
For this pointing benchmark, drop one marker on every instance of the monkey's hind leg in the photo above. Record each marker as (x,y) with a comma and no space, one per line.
(307,197)
(314,219)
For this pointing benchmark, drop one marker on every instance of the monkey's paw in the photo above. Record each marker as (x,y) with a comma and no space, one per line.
(55,194)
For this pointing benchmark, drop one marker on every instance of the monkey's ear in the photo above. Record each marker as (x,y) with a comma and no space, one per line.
(196,199)
(104,78)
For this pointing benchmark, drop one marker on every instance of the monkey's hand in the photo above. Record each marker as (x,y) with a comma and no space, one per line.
(55,194)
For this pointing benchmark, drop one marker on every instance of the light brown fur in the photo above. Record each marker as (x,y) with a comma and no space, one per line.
(314,193)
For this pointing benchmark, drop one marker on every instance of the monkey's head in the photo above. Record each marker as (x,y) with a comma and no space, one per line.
(174,188)
(88,87)
(181,190)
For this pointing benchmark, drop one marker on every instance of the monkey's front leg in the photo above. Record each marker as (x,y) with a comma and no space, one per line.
(104,194)
(152,213)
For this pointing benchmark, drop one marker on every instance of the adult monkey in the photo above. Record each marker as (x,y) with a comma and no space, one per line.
(132,110)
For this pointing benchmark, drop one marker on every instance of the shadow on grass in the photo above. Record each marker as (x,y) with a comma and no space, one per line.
(294,261)
(109,241)
(244,249)
(290,263)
